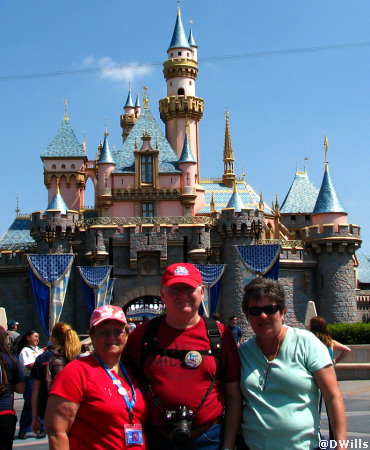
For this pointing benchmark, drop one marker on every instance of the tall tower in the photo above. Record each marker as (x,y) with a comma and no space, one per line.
(228,178)
(181,104)
(334,241)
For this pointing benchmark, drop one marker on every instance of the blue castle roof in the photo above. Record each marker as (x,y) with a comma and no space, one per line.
(18,232)
(235,202)
(179,39)
(222,195)
(64,143)
(137,102)
(186,154)
(328,200)
(146,123)
(106,155)
(57,204)
(191,39)
(363,267)
(129,102)
(301,197)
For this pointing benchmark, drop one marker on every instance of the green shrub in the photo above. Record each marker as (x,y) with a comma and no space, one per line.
(351,333)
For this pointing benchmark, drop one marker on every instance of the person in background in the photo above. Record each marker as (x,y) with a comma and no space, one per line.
(28,353)
(12,332)
(95,403)
(283,371)
(319,328)
(65,347)
(235,330)
(11,380)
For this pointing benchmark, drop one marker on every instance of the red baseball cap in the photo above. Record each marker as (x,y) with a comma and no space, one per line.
(107,312)
(185,273)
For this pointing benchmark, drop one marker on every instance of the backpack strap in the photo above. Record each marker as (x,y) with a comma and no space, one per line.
(150,344)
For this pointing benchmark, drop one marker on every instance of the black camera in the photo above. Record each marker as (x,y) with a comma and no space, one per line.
(180,421)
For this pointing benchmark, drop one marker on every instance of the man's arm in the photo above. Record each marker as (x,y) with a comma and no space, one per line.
(36,425)
(233,413)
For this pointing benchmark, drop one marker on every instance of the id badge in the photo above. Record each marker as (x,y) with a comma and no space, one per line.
(134,434)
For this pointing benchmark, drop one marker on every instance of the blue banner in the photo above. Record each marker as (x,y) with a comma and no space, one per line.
(211,276)
(97,286)
(49,279)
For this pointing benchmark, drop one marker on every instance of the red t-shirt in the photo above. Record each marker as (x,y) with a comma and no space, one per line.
(100,420)
(174,382)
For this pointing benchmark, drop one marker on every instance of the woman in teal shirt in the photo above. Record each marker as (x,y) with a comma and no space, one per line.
(282,371)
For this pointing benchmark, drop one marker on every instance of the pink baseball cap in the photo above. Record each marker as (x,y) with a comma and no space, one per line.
(107,312)
(185,273)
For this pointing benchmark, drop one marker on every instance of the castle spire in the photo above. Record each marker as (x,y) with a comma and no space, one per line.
(129,102)
(105,154)
(66,116)
(179,39)
(228,177)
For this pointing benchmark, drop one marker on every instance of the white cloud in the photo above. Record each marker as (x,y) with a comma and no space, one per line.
(111,70)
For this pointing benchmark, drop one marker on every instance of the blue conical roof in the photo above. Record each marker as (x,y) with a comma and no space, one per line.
(129,102)
(18,232)
(235,202)
(179,39)
(301,197)
(328,200)
(64,143)
(186,154)
(137,102)
(105,154)
(191,39)
(57,203)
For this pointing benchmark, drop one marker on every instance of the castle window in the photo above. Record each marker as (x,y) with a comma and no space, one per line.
(179,53)
(188,55)
(147,169)
(181,91)
(147,209)
(292,218)
(63,166)
(171,55)
(73,166)
(170,83)
(307,217)
(190,83)
(187,179)
(53,166)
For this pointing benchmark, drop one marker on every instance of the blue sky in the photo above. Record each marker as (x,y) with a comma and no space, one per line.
(281,103)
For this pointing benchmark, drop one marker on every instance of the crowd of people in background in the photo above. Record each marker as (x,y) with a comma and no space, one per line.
(179,381)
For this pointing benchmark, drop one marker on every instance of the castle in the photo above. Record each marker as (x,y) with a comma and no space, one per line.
(153,208)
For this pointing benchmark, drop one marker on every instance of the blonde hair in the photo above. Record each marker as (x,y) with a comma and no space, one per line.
(68,340)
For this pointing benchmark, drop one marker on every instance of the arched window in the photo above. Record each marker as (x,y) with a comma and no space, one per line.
(63,166)
(53,166)
(147,169)
(180,91)
(73,166)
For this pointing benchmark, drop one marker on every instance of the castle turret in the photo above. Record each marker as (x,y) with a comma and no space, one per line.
(235,201)
(228,178)
(64,165)
(137,106)
(334,242)
(180,71)
(328,207)
(132,112)
(188,166)
(106,165)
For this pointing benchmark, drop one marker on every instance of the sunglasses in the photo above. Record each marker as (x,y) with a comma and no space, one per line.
(268,309)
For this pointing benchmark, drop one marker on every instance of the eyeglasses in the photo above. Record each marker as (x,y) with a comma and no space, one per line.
(183,289)
(108,333)
(258,310)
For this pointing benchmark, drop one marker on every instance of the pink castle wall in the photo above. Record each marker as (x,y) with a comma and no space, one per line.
(335,218)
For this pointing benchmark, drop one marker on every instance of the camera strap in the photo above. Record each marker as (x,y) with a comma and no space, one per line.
(151,347)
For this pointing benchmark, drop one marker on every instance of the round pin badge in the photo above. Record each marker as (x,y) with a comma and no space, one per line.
(193,359)
(122,391)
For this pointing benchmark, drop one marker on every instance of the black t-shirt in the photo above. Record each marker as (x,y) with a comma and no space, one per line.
(38,372)
(15,374)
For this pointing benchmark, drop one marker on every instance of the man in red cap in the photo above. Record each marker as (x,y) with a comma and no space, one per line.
(191,369)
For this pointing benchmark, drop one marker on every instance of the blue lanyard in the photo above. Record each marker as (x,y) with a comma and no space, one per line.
(129,403)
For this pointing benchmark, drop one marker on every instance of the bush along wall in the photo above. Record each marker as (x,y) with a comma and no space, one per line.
(351,333)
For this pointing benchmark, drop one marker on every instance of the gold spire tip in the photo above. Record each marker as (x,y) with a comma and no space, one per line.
(145,98)
(66,103)
(326,146)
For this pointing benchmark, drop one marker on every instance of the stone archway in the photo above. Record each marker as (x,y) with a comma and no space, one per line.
(141,302)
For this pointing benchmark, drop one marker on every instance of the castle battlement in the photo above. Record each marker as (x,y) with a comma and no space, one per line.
(239,223)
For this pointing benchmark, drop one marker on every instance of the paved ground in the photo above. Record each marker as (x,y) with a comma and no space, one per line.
(356,395)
